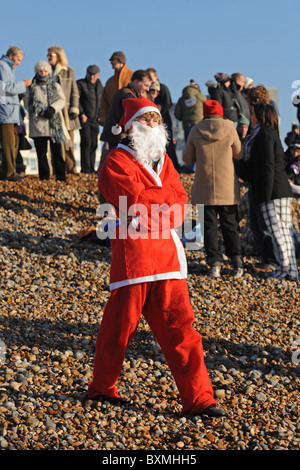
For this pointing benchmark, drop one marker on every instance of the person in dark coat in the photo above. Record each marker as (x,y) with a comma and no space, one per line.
(237,86)
(139,84)
(90,92)
(164,103)
(264,241)
(223,94)
(271,188)
(292,162)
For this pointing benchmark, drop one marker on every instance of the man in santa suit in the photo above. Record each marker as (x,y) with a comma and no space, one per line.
(148,267)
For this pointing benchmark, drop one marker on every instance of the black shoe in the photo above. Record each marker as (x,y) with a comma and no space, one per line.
(214,412)
(14,177)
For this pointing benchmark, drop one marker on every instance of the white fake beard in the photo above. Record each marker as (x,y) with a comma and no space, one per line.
(149,143)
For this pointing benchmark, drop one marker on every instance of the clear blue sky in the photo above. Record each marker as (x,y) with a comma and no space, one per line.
(182,39)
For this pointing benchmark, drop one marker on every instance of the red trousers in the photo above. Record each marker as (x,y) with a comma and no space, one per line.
(166,307)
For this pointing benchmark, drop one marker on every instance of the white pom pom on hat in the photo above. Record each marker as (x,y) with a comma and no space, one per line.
(134,107)
(116,130)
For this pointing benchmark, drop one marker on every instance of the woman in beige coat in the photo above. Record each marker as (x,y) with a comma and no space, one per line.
(58,60)
(213,144)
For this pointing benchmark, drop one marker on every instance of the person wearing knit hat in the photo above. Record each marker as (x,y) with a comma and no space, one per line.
(213,144)
(223,94)
(155,85)
(133,109)
(242,128)
(148,267)
(212,107)
(154,90)
(222,78)
(248,83)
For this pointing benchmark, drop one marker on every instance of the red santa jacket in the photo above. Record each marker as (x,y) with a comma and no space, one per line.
(148,247)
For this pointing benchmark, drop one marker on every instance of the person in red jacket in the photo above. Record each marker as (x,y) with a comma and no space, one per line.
(148,267)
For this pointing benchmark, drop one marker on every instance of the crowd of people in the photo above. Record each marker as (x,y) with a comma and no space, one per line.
(231,135)
(228,138)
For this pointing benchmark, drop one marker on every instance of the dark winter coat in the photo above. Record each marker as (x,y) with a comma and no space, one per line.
(242,103)
(225,97)
(268,178)
(115,113)
(90,98)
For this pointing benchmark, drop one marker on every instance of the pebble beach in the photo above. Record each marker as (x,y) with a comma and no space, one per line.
(53,290)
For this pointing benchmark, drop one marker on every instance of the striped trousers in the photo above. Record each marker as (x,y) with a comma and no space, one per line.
(278,218)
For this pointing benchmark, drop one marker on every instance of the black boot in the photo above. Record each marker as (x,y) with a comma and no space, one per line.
(214,412)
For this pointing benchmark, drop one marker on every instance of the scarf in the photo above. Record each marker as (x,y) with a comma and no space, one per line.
(249,140)
(36,108)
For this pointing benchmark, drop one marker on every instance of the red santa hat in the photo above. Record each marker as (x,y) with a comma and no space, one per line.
(212,107)
(134,107)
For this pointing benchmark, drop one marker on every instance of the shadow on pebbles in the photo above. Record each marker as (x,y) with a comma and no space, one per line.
(53,289)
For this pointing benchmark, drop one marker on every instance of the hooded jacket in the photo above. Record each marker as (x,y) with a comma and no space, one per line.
(10,89)
(213,144)
(189,107)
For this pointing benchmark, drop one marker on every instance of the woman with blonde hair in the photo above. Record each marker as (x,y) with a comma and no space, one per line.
(58,60)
